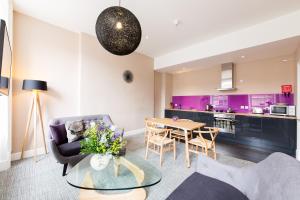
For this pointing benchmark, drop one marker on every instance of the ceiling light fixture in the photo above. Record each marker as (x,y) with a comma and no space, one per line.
(118,30)
(243,57)
(284,60)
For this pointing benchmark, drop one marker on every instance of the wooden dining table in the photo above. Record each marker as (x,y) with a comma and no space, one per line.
(183,125)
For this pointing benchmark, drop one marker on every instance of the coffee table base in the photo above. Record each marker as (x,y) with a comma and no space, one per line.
(136,194)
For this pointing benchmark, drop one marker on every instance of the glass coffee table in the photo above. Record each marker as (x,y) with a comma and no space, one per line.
(124,178)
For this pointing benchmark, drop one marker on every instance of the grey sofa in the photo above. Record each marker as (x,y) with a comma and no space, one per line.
(68,153)
(275,178)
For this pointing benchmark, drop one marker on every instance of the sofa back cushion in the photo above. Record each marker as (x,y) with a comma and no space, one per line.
(277,177)
(64,120)
(59,133)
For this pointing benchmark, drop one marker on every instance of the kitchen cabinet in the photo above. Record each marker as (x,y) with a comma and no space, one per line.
(206,118)
(265,133)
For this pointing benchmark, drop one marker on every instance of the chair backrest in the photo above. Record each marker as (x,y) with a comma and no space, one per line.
(211,131)
(153,131)
(148,123)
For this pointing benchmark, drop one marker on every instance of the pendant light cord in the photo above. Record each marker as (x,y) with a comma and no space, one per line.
(119,3)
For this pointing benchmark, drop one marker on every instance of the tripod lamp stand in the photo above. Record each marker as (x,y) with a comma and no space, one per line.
(35,86)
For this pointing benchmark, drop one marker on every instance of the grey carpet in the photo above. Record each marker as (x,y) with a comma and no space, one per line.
(27,180)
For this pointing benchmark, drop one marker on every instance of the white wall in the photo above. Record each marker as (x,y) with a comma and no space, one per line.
(270,31)
(5,102)
(298,103)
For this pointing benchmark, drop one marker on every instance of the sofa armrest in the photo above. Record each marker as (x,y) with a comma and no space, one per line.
(57,155)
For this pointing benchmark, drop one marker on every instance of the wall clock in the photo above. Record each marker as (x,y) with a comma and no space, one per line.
(128,76)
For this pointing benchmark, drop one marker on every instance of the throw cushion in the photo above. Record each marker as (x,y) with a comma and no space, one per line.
(59,133)
(75,129)
(70,149)
(198,186)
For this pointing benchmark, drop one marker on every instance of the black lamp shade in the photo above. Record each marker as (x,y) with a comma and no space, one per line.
(4,81)
(118,30)
(34,85)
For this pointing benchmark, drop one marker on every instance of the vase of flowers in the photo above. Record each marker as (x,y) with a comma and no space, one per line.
(104,142)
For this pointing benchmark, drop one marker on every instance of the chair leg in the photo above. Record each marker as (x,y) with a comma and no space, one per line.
(174,149)
(65,169)
(215,153)
(161,155)
(147,148)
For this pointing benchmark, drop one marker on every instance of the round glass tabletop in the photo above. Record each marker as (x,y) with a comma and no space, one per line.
(125,173)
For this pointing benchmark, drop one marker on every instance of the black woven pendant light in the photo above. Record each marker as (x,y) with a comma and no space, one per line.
(118,30)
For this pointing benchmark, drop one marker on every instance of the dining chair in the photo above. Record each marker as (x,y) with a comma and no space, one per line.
(159,143)
(179,134)
(149,123)
(205,140)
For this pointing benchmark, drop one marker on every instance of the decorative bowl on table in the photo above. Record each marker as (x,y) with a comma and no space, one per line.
(175,118)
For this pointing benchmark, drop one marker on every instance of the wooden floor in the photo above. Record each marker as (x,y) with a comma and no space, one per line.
(241,152)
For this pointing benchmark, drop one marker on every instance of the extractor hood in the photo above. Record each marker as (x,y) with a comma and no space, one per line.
(227,77)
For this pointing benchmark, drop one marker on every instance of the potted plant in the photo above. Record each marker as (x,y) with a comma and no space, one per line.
(104,142)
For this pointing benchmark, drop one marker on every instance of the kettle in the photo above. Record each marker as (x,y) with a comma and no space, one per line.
(209,107)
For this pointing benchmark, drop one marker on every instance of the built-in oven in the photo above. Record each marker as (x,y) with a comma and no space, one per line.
(225,122)
(283,110)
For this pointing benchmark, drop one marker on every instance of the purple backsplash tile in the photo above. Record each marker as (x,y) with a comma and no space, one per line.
(236,101)
(220,102)
(261,100)
(280,98)
(191,102)
(233,101)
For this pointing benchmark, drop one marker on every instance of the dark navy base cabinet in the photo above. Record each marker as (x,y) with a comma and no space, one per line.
(263,133)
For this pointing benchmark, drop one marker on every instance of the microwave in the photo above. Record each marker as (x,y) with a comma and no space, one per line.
(283,110)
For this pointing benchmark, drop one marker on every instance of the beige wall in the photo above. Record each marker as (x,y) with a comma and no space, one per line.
(81,76)
(43,52)
(162,92)
(103,89)
(298,102)
(264,76)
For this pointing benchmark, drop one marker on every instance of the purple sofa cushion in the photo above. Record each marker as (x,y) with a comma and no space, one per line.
(59,133)
(69,149)
(198,186)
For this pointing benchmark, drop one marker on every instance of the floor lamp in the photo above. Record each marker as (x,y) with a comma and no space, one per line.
(35,86)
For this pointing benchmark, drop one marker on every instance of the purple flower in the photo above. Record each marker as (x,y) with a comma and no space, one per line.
(101,127)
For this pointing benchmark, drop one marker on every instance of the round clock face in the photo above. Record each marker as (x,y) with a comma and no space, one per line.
(128,76)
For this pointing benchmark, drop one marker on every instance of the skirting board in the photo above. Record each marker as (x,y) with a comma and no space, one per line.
(4,165)
(40,151)
(298,154)
(27,154)
(135,132)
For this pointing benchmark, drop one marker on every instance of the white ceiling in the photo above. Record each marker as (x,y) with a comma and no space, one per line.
(282,50)
(200,19)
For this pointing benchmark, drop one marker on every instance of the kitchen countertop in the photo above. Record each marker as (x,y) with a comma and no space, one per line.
(241,114)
